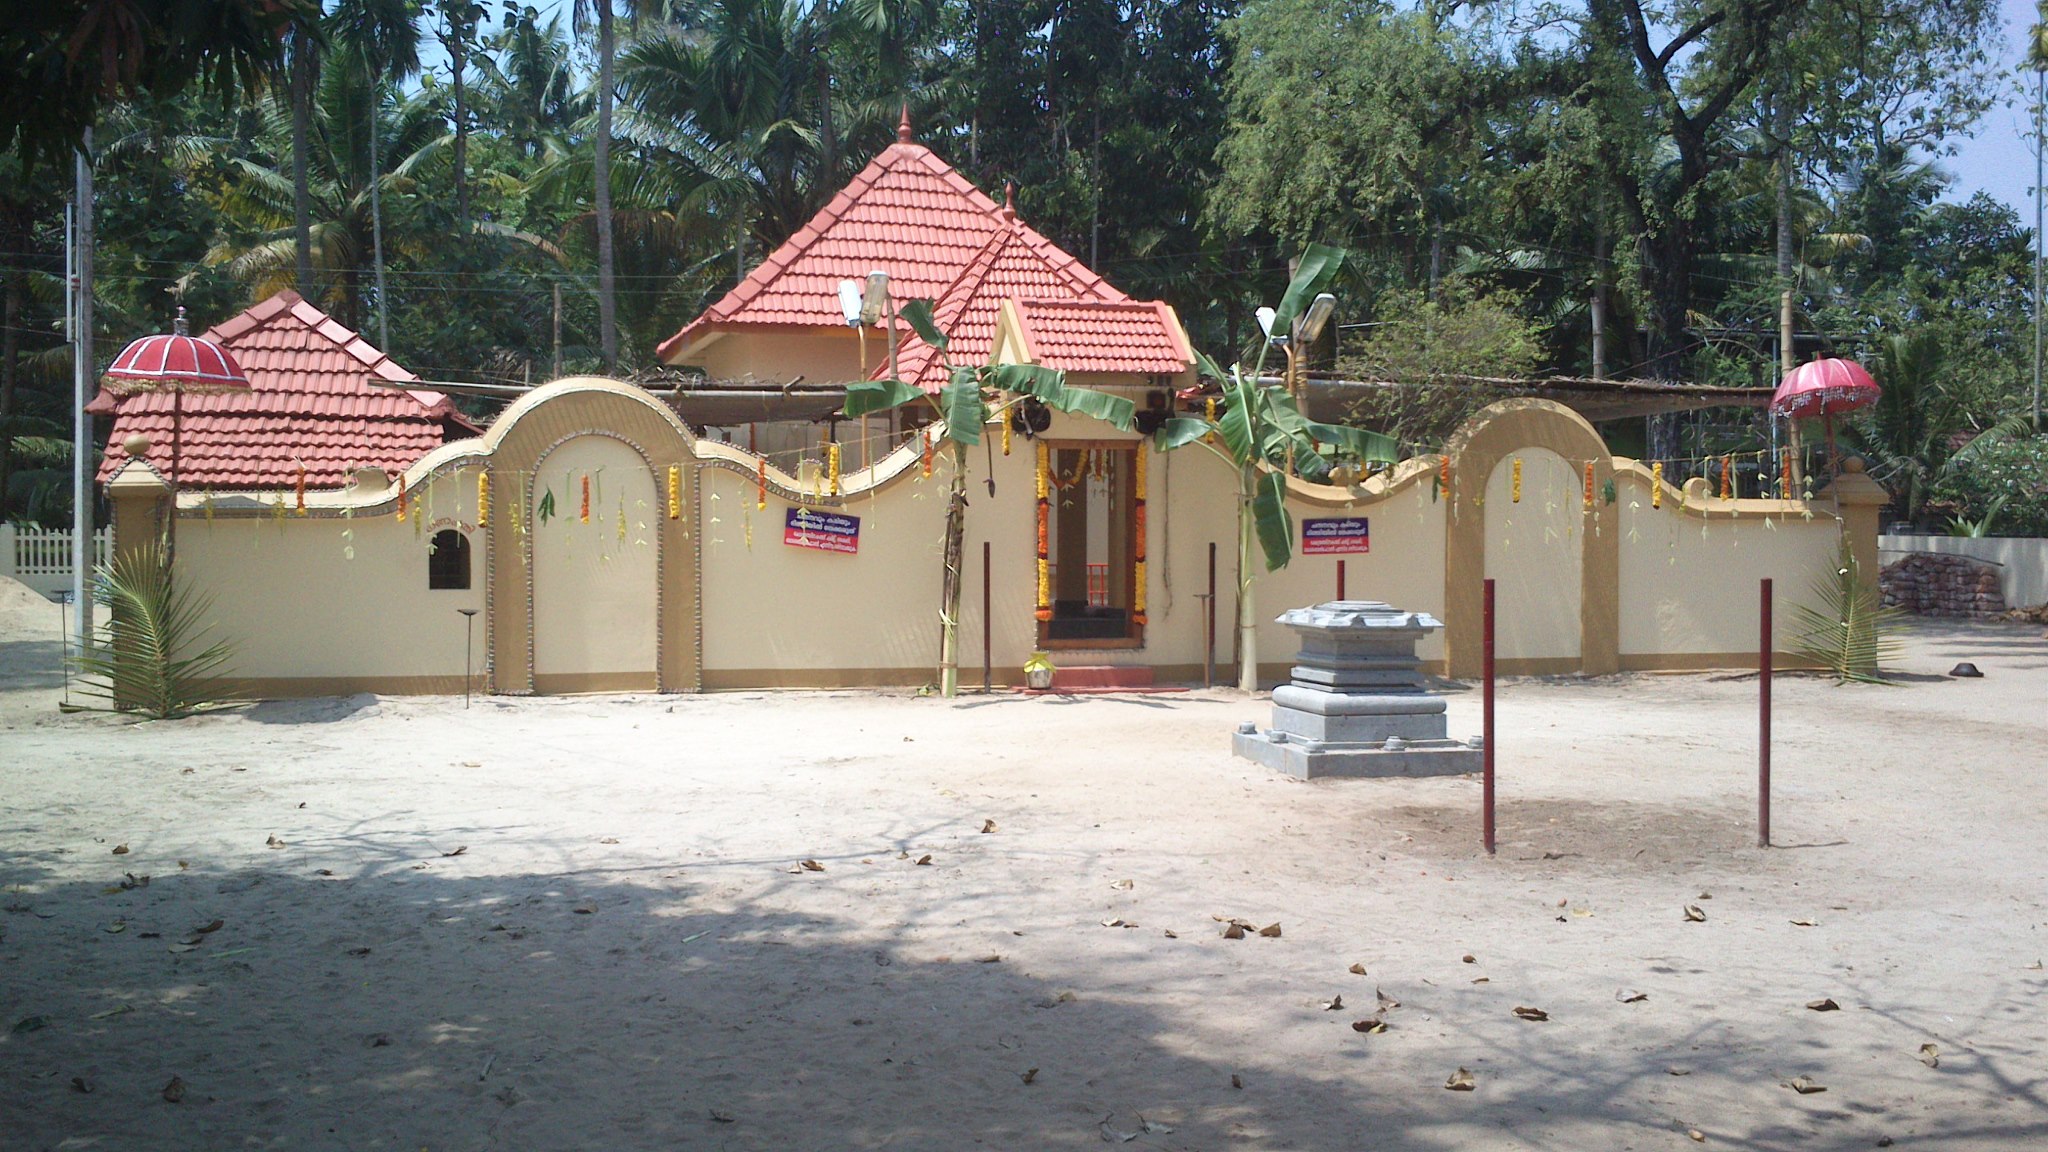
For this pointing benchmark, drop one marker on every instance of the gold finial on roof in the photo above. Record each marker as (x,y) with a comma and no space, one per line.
(903,125)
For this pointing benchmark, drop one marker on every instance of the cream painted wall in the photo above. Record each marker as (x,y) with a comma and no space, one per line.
(1534,556)
(817,357)
(1405,567)
(593,593)
(1689,585)
(338,596)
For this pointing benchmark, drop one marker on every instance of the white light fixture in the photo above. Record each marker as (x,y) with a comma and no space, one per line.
(1318,314)
(877,298)
(1265,316)
(850,302)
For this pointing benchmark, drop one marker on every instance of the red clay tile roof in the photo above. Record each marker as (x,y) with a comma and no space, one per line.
(1090,336)
(938,237)
(310,403)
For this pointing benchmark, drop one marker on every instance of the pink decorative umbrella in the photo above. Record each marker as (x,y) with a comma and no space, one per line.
(182,363)
(1822,388)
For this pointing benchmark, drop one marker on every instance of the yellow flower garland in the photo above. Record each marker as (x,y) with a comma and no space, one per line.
(675,491)
(483,499)
(1657,484)
(1044,607)
(1516,496)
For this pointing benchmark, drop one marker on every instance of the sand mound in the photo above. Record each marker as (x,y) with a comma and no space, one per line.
(26,614)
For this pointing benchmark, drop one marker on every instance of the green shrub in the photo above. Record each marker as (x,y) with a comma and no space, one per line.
(2014,471)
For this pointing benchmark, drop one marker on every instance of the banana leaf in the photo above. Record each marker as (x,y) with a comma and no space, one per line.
(1269,516)
(964,408)
(866,396)
(1050,387)
(1179,430)
(1319,266)
(918,313)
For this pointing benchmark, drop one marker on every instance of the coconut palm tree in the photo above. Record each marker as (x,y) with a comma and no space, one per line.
(384,37)
(260,202)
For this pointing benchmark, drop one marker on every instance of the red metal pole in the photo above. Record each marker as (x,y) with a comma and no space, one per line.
(1486,720)
(1209,632)
(1763,748)
(1340,579)
(988,680)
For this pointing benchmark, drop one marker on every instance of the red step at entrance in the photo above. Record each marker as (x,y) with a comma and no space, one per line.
(1101,678)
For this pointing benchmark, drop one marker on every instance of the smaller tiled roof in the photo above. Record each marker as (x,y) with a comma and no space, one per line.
(311,403)
(1125,336)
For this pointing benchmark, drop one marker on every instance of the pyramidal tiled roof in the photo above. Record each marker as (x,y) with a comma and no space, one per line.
(938,237)
(311,403)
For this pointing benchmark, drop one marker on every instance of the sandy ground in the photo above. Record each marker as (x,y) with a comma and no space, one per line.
(573,923)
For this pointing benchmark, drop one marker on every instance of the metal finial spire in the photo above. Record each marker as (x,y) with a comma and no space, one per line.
(903,125)
(179,326)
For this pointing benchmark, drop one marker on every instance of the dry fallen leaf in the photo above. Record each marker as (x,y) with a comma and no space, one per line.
(120,850)
(1693,914)
(81,1084)
(1029,1075)
(1357,969)
(1371,1025)
(1696,1136)
(1386,1001)
(457,852)
(359,951)
(181,947)
(989,958)
(1807,923)
(725,1117)
(1631,996)
(1118,922)
(1930,1055)
(1460,1081)
(116,926)
(1676,1071)
(1333,1004)
(810,866)
(210,926)
(1270,930)
(1172,935)
(272,842)
(1233,931)
(584,909)
(988,825)
(1482,979)
(609,840)
(1823,1005)
(1805,1085)
(110,1013)
(925,859)
(1469,959)
(1123,885)
(174,1091)
(1527,1013)
(1236,1081)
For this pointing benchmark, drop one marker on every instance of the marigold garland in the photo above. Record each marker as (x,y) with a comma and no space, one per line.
(761,484)
(301,486)
(1657,484)
(1515,495)
(925,462)
(1589,485)
(1138,532)
(832,467)
(401,498)
(1006,435)
(1727,477)
(1209,414)
(1044,607)
(675,491)
(483,499)
(584,514)
(1443,476)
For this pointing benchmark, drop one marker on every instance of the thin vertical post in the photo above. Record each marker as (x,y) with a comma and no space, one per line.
(1209,641)
(556,374)
(988,677)
(1486,718)
(1340,579)
(1763,701)
(83,386)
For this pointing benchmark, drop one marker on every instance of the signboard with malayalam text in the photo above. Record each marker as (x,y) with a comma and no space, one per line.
(822,531)
(1335,535)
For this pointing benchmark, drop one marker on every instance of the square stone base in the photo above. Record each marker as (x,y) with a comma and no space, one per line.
(1419,758)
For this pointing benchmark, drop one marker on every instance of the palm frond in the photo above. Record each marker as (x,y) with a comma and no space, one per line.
(1852,634)
(146,657)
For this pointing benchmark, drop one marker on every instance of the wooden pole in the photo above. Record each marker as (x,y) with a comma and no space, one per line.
(1763,700)
(1486,720)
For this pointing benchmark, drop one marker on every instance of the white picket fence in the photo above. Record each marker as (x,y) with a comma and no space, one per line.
(42,559)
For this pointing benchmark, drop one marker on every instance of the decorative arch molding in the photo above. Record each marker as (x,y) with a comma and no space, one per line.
(1496,433)
(517,443)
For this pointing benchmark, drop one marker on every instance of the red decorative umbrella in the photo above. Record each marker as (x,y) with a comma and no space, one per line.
(1822,388)
(182,363)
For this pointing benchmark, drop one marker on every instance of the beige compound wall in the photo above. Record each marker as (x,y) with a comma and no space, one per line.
(333,603)
(594,598)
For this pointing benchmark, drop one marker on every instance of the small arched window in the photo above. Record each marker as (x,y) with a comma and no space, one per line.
(448,561)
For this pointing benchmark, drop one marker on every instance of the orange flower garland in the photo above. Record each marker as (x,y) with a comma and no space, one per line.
(401,497)
(1443,476)
(1044,611)
(1727,477)
(1138,535)
(931,446)
(1785,492)
(1589,485)
(483,499)
(302,489)
(584,514)
(761,484)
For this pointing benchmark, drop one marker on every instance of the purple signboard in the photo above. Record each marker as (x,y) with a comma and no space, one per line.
(1335,535)
(823,531)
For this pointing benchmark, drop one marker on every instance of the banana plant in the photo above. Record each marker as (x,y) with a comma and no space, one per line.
(974,395)
(1260,432)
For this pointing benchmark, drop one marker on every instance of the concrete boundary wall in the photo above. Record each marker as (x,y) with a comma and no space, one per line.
(2022,561)
(1611,569)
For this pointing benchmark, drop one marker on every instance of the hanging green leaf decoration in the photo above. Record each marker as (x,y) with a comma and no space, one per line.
(1607,491)
(547,505)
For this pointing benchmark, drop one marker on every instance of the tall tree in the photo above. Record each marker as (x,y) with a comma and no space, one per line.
(601,174)
(383,36)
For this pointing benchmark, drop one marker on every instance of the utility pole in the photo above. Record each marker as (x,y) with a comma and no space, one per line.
(83,386)
(2040,62)
(557,373)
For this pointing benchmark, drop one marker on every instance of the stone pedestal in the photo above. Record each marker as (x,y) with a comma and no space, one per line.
(1356,704)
